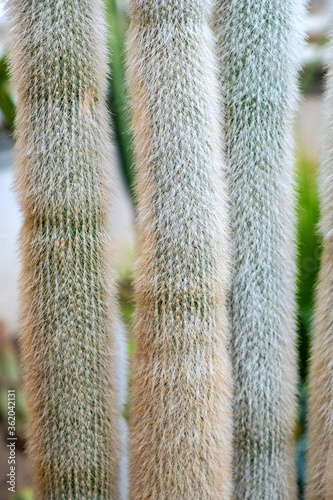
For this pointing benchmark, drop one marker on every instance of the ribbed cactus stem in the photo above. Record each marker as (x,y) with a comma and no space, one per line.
(320,419)
(260,47)
(68,329)
(181,419)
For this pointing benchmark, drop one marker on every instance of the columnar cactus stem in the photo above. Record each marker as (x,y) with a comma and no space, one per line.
(68,326)
(181,419)
(259,49)
(320,454)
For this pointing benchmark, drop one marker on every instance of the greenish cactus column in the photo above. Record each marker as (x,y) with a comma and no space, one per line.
(181,418)
(260,45)
(68,327)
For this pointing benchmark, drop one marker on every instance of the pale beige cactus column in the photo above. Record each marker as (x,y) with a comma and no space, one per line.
(181,428)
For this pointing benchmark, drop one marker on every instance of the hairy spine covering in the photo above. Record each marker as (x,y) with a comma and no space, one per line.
(181,422)
(260,44)
(320,453)
(68,337)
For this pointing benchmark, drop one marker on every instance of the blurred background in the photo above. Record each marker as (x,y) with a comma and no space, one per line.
(122,222)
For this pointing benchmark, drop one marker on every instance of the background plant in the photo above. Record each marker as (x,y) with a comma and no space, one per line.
(260,47)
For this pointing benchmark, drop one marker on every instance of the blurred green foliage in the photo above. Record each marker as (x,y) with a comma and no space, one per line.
(10,380)
(309,251)
(24,494)
(117,96)
(7,105)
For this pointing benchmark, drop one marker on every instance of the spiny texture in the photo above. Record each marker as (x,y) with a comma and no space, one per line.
(320,453)
(181,422)
(68,330)
(260,44)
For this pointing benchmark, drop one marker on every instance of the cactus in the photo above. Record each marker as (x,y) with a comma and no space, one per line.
(68,328)
(320,448)
(180,432)
(259,48)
